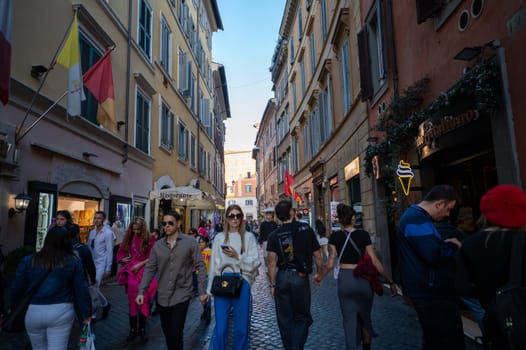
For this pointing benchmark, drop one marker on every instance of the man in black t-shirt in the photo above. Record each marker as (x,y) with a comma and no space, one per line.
(291,249)
(266,227)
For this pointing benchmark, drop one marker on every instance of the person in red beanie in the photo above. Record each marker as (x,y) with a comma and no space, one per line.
(486,254)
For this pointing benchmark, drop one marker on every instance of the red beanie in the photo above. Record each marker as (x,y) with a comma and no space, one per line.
(505,206)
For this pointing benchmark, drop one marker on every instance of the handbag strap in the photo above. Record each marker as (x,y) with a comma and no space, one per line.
(344,245)
(355,246)
(231,267)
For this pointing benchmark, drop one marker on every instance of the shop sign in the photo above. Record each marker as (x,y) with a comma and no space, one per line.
(405,176)
(430,131)
(352,169)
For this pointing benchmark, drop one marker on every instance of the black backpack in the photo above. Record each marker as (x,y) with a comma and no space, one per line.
(509,308)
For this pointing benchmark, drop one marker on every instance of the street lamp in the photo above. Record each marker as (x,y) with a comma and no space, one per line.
(21,203)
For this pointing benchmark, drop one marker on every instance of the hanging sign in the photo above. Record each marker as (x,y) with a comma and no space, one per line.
(405,176)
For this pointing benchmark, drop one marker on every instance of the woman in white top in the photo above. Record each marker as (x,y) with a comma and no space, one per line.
(237,248)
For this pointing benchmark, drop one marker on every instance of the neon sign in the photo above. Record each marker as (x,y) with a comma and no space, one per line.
(405,176)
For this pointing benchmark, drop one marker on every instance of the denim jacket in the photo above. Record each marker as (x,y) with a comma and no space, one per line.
(65,284)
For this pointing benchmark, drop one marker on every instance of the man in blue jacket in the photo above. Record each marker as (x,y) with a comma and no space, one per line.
(427,269)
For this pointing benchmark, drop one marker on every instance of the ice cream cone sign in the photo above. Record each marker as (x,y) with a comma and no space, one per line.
(405,176)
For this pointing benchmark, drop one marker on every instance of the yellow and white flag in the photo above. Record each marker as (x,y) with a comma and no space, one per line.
(69,57)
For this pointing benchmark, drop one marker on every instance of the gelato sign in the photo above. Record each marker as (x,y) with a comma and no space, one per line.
(405,176)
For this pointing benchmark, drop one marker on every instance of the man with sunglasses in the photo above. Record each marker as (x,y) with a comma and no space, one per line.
(170,258)
(101,243)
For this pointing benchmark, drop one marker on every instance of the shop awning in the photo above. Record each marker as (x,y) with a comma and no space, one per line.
(185,196)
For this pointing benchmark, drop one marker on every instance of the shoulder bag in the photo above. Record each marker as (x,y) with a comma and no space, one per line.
(14,321)
(336,268)
(509,307)
(227,286)
(366,270)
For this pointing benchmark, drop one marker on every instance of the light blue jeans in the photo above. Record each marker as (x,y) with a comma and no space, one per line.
(49,326)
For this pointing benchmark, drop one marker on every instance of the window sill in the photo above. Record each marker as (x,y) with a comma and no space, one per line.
(166,149)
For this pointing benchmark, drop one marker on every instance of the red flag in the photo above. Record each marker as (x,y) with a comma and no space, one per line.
(6,37)
(297,197)
(99,80)
(287,187)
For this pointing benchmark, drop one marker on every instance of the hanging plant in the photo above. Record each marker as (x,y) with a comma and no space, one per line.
(401,119)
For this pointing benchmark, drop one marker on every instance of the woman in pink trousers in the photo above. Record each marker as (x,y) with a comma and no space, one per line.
(133,254)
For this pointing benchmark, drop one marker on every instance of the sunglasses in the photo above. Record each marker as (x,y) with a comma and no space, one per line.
(171,223)
(235,216)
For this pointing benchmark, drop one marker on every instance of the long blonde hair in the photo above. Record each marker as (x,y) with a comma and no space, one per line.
(241,229)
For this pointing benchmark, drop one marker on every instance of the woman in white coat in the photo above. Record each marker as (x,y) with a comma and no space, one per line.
(237,248)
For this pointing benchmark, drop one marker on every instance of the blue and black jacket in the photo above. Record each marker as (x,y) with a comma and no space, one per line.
(426,262)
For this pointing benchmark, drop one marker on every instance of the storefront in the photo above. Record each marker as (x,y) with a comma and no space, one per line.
(81,200)
(191,203)
(458,149)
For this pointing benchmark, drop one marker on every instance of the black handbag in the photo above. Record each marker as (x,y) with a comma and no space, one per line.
(227,286)
(15,319)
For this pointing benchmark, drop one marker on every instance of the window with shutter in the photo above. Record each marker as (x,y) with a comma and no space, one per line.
(365,64)
(427,8)
(183,71)
(142,123)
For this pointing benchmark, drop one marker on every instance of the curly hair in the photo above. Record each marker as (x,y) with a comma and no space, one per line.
(145,234)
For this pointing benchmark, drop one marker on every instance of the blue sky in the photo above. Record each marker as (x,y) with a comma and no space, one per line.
(245,48)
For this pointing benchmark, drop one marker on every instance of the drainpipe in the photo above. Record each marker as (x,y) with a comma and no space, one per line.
(514,172)
(394,62)
(127,98)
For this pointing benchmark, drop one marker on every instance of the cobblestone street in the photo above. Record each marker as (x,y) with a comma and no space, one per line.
(394,321)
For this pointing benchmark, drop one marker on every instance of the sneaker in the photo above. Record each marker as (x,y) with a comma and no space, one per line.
(105,311)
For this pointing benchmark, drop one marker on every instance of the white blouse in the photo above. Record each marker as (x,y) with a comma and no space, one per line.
(248,262)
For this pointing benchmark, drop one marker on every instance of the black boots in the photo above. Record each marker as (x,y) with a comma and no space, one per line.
(142,328)
(133,329)
(105,311)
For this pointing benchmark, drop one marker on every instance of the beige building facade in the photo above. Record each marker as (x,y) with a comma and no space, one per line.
(264,154)
(321,123)
(166,128)
(241,179)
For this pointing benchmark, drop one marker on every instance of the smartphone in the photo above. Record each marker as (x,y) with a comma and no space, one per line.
(225,246)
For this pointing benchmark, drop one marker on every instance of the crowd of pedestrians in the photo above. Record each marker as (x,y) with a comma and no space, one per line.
(166,269)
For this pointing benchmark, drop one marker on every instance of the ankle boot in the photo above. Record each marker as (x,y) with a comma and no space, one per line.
(142,328)
(133,329)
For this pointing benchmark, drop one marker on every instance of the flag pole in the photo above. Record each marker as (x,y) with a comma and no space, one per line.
(28,129)
(42,81)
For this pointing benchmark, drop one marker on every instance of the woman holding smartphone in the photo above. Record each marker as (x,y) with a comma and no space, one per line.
(237,249)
